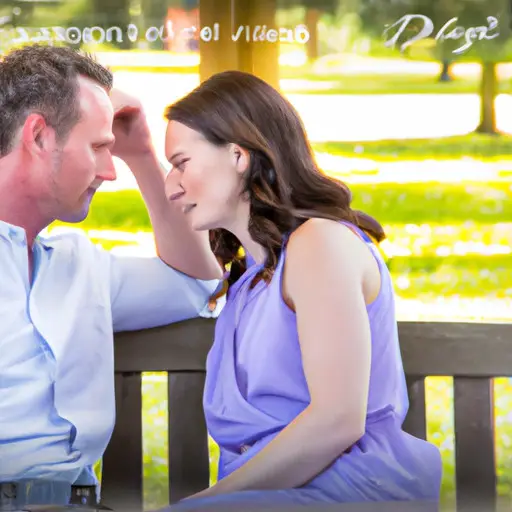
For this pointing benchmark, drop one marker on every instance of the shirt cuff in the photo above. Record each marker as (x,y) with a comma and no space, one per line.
(214,306)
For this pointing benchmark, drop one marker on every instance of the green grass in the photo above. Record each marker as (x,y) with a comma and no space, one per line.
(432,202)
(461,276)
(445,239)
(390,203)
(371,83)
(109,244)
(478,146)
(383,83)
(430,240)
(341,83)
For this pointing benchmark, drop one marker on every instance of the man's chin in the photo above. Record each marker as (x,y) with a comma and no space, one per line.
(75,217)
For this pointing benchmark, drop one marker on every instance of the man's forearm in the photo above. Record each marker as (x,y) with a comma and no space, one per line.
(177,244)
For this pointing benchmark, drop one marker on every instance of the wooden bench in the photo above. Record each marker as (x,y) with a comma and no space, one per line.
(472,353)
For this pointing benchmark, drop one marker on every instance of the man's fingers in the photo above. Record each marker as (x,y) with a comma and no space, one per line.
(126,111)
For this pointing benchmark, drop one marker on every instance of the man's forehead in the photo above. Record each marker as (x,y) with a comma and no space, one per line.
(93,96)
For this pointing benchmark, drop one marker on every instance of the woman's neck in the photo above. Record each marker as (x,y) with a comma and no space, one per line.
(257,251)
(240,228)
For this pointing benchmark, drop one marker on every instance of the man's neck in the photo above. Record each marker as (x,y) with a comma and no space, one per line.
(18,203)
(20,210)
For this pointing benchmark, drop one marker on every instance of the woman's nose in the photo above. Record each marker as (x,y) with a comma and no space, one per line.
(173,188)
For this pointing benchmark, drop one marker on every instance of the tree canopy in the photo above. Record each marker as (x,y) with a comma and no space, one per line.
(468,29)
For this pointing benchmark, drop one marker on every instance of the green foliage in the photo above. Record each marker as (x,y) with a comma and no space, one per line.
(386,18)
(328,6)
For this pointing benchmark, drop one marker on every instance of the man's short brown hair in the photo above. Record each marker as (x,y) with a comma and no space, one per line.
(44,79)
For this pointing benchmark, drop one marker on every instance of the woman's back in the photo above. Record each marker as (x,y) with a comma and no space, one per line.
(256,386)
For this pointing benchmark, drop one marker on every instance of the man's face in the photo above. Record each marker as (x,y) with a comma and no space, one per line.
(84,160)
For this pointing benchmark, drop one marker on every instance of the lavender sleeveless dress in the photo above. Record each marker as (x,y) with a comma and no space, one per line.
(255,386)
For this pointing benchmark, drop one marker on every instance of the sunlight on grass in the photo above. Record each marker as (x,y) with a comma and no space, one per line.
(391,203)
(481,146)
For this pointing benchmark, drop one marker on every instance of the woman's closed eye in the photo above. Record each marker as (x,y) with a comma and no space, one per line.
(181,164)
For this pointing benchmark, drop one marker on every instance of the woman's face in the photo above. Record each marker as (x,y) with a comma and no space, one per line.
(205,179)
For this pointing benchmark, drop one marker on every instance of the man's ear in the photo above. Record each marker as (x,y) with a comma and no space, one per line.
(241,158)
(36,135)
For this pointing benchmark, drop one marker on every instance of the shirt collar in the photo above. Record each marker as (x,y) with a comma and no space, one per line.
(16,233)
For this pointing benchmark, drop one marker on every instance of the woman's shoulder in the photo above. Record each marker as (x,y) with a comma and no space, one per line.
(327,244)
(331,250)
(322,234)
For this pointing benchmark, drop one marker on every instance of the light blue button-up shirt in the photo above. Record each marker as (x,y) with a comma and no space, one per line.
(57,408)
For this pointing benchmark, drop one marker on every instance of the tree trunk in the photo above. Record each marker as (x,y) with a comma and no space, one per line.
(260,58)
(111,14)
(487,96)
(445,71)
(312,18)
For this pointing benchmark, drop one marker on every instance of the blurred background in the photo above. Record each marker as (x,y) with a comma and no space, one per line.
(408,101)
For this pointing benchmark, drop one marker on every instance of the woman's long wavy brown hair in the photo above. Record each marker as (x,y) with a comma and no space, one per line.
(283,182)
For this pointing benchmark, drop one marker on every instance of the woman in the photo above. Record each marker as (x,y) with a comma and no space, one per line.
(305,391)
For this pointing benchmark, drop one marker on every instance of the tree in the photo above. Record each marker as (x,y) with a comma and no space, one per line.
(314,9)
(477,30)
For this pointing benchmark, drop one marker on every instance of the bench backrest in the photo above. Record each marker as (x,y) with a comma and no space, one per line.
(472,353)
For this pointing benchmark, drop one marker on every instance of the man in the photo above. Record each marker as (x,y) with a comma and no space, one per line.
(61,297)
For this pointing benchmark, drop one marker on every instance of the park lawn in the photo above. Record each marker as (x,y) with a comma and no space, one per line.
(443,239)
(481,147)
(384,83)
(438,261)
(390,203)
(434,202)
(299,81)
(461,276)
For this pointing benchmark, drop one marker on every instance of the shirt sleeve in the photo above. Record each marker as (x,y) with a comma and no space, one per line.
(146,292)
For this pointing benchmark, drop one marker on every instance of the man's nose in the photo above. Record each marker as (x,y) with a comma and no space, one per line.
(173,188)
(107,172)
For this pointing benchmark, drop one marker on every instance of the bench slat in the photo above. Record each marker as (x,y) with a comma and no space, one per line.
(456,349)
(416,420)
(181,346)
(122,463)
(188,437)
(428,348)
(475,460)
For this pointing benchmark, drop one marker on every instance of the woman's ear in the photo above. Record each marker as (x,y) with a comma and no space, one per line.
(241,158)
